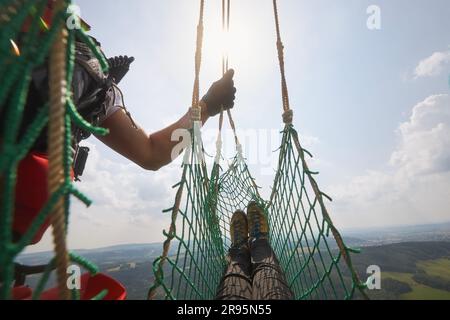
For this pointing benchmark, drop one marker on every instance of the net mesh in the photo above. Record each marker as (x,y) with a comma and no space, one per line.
(312,254)
(309,247)
(20,53)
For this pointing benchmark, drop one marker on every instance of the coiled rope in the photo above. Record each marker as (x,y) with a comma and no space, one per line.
(56,129)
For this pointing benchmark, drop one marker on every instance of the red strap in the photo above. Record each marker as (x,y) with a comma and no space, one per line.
(31,194)
(47,16)
(22,293)
(91,287)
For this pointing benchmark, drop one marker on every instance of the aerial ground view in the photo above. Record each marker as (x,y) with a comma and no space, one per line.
(224,150)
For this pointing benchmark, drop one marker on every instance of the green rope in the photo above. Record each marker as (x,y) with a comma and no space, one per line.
(299,231)
(15,72)
(299,223)
(310,249)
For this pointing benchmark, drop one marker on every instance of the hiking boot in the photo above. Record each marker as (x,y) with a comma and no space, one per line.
(239,229)
(257,222)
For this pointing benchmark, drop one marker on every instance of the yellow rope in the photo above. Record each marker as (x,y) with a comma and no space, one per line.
(56,128)
(288,114)
(195,116)
(225,28)
(226,9)
(288,118)
(226,16)
(198,58)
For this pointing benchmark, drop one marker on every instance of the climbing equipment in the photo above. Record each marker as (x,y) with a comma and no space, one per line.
(57,43)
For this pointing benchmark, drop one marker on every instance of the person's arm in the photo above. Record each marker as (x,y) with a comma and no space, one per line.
(150,152)
(154,151)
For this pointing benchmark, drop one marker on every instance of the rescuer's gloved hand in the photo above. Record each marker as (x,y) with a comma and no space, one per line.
(119,67)
(221,93)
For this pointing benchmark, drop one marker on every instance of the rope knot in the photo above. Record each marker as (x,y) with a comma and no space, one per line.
(196,114)
(288,116)
(280,45)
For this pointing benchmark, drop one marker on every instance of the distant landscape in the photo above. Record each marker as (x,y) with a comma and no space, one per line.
(409,270)
(414,261)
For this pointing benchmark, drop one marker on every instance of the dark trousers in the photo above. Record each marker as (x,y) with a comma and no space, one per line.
(254,274)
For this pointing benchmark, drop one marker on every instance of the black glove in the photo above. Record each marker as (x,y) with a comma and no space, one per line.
(221,94)
(119,67)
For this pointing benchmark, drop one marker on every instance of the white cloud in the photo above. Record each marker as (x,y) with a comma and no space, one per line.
(128,200)
(416,188)
(127,207)
(425,138)
(126,187)
(433,65)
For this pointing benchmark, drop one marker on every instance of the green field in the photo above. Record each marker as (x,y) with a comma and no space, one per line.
(438,268)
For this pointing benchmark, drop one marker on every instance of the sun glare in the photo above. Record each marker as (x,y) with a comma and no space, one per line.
(245,44)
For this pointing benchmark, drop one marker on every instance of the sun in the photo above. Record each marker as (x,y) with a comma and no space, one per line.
(248,45)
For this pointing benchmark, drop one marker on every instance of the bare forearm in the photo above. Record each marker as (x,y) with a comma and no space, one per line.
(151,152)
(154,151)
(162,143)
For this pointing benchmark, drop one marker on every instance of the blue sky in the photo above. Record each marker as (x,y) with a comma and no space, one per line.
(372,105)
